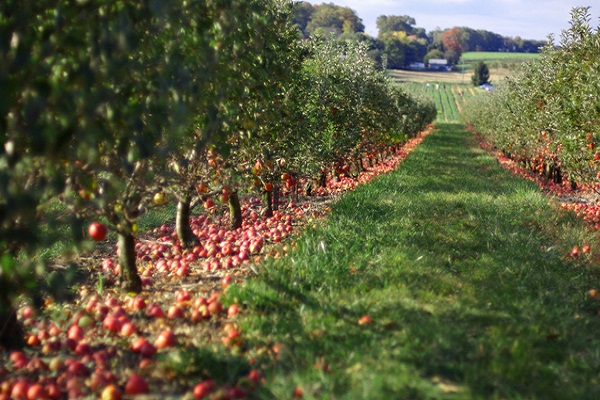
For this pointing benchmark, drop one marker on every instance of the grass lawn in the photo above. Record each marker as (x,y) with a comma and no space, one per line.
(488,56)
(462,269)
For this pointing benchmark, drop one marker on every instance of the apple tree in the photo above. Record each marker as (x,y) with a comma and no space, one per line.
(242,53)
(36,126)
(330,93)
(346,103)
(142,91)
(94,97)
(547,118)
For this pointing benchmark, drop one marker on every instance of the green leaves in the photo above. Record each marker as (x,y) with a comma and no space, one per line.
(548,116)
(344,103)
(8,265)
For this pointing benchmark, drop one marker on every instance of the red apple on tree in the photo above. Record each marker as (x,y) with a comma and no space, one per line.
(258,166)
(202,188)
(209,204)
(97,231)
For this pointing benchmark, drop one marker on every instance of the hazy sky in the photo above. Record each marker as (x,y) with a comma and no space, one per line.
(530,19)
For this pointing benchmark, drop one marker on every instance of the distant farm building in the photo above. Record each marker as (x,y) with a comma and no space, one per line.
(417,66)
(438,64)
(488,87)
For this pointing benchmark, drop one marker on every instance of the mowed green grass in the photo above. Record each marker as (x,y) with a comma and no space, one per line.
(488,56)
(500,65)
(461,267)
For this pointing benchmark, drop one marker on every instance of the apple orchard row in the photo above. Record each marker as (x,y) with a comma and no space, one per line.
(72,351)
(548,117)
(117,108)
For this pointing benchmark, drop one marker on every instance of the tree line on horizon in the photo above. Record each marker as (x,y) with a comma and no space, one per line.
(400,42)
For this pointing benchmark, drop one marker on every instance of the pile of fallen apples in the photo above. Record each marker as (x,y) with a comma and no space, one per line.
(107,344)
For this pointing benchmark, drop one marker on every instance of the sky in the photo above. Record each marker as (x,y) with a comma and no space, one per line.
(530,19)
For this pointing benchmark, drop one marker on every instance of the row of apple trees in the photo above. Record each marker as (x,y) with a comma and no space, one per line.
(548,118)
(106,104)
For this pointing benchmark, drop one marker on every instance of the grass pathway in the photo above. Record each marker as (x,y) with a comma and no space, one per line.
(461,268)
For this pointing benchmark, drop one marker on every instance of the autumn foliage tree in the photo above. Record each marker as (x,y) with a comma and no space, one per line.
(453,48)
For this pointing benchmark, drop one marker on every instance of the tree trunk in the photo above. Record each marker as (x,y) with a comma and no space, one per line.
(11,332)
(267,210)
(130,280)
(323,178)
(558,176)
(335,174)
(235,211)
(359,165)
(275,197)
(182,224)
(307,189)
(573,184)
